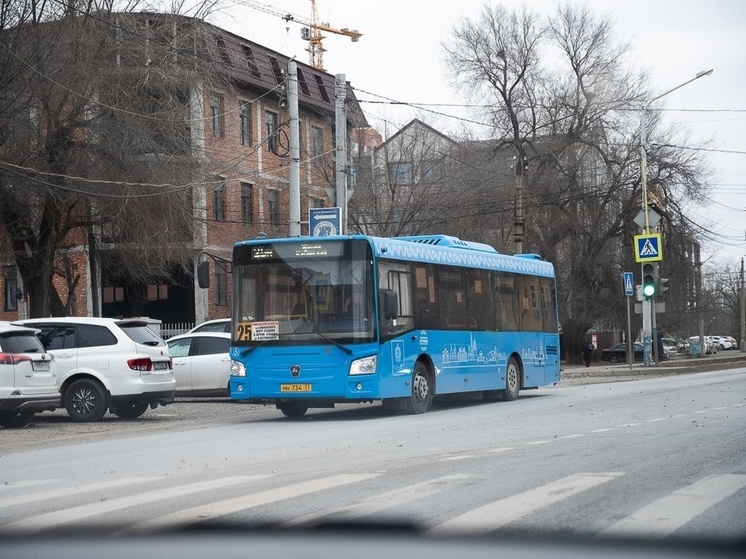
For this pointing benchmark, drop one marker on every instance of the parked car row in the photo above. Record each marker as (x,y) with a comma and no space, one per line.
(91,366)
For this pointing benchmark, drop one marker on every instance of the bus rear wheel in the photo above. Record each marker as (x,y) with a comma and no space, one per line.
(512,380)
(422,390)
(292,409)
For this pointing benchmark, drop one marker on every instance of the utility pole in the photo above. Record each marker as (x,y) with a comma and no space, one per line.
(743,310)
(294,226)
(648,316)
(340,138)
(518,219)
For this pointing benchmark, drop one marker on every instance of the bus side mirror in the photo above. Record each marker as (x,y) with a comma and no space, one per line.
(390,304)
(203,274)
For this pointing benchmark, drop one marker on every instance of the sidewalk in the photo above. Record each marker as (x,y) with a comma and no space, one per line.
(680,364)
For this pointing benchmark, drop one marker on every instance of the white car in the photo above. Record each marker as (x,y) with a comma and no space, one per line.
(201,363)
(723,342)
(106,364)
(217,325)
(28,376)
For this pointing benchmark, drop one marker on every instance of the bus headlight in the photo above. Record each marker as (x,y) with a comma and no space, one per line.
(237,369)
(364,366)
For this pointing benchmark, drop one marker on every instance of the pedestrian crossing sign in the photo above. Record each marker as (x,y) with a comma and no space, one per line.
(648,247)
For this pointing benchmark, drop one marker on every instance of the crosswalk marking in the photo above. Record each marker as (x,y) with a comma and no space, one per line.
(660,518)
(383,501)
(498,513)
(71,490)
(73,514)
(244,502)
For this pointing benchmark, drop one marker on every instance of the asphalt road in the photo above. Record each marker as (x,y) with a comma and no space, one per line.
(662,457)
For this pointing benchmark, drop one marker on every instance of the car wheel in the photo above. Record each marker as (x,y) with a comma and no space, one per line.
(131,410)
(613,359)
(422,391)
(512,380)
(293,409)
(16,419)
(85,400)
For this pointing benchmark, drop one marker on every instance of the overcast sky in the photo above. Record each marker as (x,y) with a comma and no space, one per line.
(399,57)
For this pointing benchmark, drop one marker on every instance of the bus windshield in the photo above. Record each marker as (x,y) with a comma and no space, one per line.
(304,292)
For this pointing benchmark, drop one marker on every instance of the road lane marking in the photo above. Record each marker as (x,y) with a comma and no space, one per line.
(73,514)
(71,490)
(503,511)
(501,449)
(663,516)
(382,501)
(243,502)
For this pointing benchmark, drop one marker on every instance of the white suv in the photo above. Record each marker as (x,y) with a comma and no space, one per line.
(28,376)
(106,364)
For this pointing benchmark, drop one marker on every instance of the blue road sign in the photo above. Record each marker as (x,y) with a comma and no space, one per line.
(648,247)
(627,283)
(324,222)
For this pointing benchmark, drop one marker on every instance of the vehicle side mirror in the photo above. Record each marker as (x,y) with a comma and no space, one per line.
(390,304)
(203,274)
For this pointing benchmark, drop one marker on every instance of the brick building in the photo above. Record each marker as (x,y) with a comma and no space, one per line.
(239,139)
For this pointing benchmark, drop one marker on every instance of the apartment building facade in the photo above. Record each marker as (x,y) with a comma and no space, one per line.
(239,139)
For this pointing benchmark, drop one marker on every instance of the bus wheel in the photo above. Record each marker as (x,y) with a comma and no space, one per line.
(292,409)
(422,390)
(512,380)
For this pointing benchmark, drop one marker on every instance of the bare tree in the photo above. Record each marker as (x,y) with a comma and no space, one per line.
(96,147)
(573,124)
(405,186)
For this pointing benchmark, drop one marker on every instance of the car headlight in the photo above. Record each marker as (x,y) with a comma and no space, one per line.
(364,366)
(238,369)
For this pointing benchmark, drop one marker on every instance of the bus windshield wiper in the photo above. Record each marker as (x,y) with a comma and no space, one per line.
(248,350)
(324,336)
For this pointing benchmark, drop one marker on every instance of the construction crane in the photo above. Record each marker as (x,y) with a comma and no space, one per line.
(311,33)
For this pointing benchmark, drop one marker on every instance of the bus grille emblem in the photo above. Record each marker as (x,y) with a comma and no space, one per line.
(295,371)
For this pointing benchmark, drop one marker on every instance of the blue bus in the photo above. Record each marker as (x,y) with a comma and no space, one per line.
(319,321)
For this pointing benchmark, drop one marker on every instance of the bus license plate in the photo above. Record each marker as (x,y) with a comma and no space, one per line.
(295,388)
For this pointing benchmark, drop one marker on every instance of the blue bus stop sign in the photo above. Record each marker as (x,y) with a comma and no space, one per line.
(324,222)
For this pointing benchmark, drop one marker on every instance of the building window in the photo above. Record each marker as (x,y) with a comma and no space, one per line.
(244,114)
(272,131)
(221,286)
(217,112)
(247,203)
(274,207)
(431,171)
(11,288)
(250,61)
(225,58)
(317,141)
(303,83)
(400,173)
(322,89)
(218,199)
(279,76)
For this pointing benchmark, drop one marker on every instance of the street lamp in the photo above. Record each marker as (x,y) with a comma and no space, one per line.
(644,141)
(648,309)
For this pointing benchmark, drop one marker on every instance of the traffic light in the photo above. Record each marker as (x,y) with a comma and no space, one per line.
(649,279)
(661,287)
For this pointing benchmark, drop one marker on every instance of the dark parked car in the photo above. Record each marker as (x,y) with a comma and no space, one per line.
(618,353)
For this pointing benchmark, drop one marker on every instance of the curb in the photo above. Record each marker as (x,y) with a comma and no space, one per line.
(673,367)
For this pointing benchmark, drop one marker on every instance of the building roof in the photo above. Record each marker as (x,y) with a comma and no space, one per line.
(264,69)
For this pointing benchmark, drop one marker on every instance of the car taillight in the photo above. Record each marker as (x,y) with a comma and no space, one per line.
(141,364)
(13,358)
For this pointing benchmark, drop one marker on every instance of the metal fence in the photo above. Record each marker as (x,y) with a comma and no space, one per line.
(170,329)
